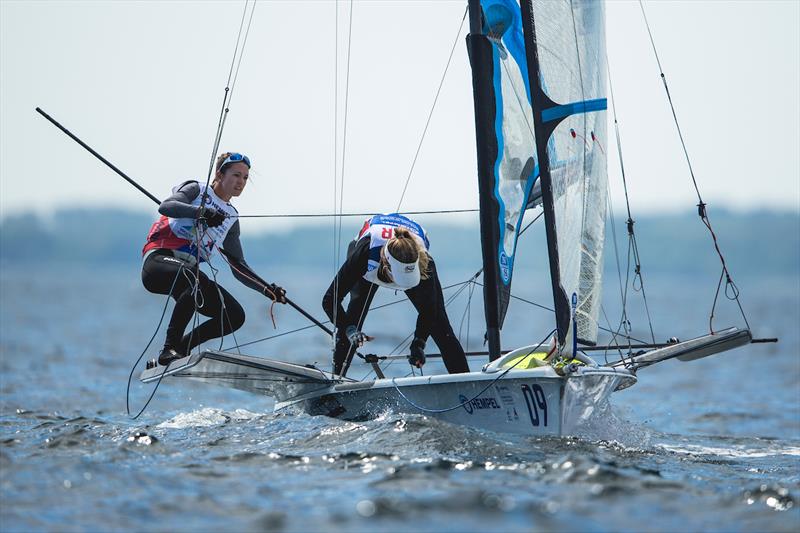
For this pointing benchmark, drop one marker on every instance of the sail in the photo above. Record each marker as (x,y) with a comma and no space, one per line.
(507,166)
(566,57)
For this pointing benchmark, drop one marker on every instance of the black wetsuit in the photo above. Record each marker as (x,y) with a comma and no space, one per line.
(426,297)
(163,273)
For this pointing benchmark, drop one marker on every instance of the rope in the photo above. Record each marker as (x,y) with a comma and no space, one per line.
(147,347)
(195,284)
(363,214)
(337,231)
(229,87)
(430,113)
(633,246)
(465,402)
(731,290)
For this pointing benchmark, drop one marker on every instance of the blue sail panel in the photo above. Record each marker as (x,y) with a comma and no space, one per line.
(514,168)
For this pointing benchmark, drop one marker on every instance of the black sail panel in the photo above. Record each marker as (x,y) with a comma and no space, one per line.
(507,168)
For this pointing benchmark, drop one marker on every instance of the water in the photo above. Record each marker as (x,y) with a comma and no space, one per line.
(708,445)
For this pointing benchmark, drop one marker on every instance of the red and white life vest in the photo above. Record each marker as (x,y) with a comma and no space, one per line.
(182,234)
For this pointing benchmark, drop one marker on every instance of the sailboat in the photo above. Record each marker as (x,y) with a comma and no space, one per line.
(539,84)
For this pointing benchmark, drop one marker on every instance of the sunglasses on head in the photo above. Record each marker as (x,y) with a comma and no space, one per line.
(236,158)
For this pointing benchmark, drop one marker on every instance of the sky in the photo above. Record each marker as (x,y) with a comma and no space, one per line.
(142,83)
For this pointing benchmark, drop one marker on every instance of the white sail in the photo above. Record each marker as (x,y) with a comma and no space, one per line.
(570,38)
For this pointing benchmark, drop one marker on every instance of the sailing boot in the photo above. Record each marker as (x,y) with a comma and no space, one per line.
(169,354)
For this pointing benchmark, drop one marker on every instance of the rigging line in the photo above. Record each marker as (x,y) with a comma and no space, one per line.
(147,347)
(669,98)
(610,211)
(335,254)
(371,290)
(236,47)
(226,98)
(407,339)
(462,285)
(469,313)
(632,243)
(553,311)
(465,402)
(389,304)
(242,345)
(395,302)
(613,336)
(241,54)
(363,214)
(338,231)
(701,206)
(346,108)
(433,107)
(623,289)
(224,314)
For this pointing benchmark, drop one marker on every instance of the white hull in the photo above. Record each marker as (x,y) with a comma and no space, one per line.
(530,402)
(534,401)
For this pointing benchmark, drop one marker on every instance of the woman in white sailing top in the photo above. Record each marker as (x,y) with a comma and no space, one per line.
(194,222)
(391,251)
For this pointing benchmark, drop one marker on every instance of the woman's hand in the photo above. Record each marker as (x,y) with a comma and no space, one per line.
(417,356)
(357,338)
(275,293)
(212,217)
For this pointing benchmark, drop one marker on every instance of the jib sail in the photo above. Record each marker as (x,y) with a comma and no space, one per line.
(507,165)
(539,87)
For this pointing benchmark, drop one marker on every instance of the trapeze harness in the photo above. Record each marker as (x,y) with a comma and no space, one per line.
(181,234)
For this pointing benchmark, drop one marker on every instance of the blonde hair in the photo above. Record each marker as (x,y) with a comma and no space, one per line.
(406,249)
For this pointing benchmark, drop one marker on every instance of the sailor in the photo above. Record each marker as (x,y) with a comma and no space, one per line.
(194,221)
(391,251)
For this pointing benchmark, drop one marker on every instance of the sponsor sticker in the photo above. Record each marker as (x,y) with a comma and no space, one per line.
(478,403)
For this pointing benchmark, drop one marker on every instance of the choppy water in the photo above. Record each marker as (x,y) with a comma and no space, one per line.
(708,445)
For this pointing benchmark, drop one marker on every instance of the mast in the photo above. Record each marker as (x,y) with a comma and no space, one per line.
(543,131)
(480,54)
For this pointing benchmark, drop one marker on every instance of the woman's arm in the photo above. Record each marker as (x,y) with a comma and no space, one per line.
(179,204)
(233,247)
(351,271)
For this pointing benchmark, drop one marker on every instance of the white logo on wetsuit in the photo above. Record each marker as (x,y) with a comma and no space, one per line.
(184,228)
(381,229)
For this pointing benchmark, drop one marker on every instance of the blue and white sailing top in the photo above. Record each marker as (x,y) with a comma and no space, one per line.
(181,233)
(380,229)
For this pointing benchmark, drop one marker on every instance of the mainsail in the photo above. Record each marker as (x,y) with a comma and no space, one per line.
(565,41)
(539,87)
(506,144)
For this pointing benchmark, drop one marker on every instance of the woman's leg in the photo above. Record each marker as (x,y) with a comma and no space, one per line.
(357,308)
(225,314)
(428,299)
(164,274)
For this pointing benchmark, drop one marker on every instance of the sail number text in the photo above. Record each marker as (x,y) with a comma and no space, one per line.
(537,404)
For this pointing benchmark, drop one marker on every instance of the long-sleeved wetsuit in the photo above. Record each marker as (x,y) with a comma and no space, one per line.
(426,297)
(164,272)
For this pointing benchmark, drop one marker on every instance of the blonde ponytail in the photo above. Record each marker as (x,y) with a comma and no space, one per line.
(407,249)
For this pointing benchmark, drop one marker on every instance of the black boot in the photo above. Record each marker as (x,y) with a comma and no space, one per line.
(168,354)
